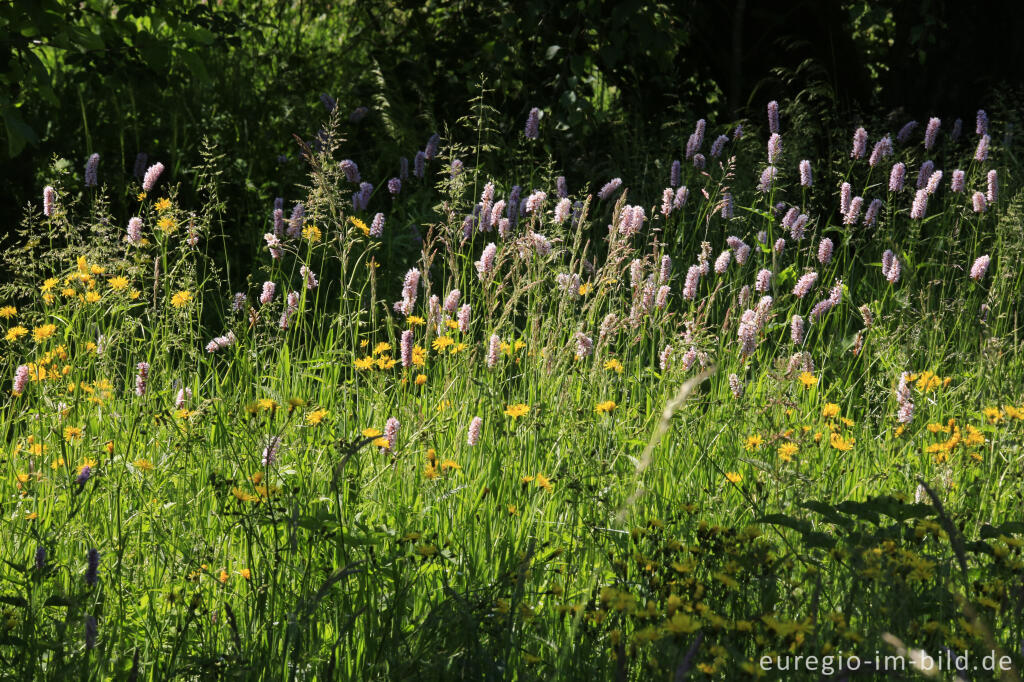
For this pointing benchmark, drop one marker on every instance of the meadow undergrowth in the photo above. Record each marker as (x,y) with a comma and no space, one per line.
(464,425)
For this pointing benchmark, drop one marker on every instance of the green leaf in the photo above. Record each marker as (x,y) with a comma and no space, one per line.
(19,133)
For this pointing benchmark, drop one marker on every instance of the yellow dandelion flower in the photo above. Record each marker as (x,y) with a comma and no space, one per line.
(363,363)
(605,407)
(181,299)
(43,332)
(518,410)
(840,443)
(442,342)
(315,417)
(452,324)
(993,414)
(585,288)
(974,437)
(450,465)
(360,225)
(542,482)
(166,224)
(223,577)
(415,321)
(786,451)
(312,233)
(245,573)
(163,204)
(808,379)
(48,284)
(613,365)
(382,347)
(734,477)
(267,404)
(92,297)
(421,379)
(73,433)
(143,465)
(753,442)
(118,283)
(8,311)
(830,411)
(14,333)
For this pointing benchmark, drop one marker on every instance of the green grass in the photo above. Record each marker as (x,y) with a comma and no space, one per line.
(665,537)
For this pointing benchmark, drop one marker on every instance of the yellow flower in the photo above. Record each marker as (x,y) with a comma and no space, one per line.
(450,465)
(223,577)
(518,410)
(542,482)
(181,299)
(312,233)
(118,283)
(421,379)
(72,433)
(613,365)
(386,362)
(606,406)
(786,451)
(143,464)
(753,442)
(993,414)
(734,477)
(808,379)
(315,417)
(974,437)
(245,573)
(8,311)
(371,432)
(14,333)
(166,224)
(163,204)
(92,297)
(415,321)
(442,342)
(830,411)
(682,624)
(141,196)
(381,347)
(585,288)
(452,324)
(267,404)
(840,443)
(48,284)
(43,332)
(359,224)
(363,363)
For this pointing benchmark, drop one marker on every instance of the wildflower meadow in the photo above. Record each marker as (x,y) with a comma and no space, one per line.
(754,406)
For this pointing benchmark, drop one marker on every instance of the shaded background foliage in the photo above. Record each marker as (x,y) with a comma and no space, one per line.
(616,79)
